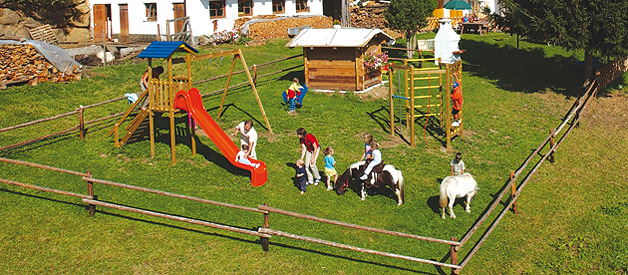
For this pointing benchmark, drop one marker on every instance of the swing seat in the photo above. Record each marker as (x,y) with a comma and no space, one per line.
(299,98)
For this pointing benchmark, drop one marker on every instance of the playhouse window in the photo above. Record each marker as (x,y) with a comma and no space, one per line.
(245,7)
(278,6)
(302,6)
(151,11)
(217,8)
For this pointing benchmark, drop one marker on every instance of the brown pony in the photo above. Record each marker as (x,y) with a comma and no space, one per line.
(388,176)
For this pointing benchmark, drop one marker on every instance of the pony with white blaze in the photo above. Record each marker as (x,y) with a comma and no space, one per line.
(389,175)
(453,187)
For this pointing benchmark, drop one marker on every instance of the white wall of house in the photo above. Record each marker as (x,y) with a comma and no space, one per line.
(197,10)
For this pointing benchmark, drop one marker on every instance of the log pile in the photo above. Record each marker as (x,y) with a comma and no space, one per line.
(22,63)
(369,15)
(279,28)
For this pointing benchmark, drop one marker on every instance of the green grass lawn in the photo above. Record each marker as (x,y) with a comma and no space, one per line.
(513,97)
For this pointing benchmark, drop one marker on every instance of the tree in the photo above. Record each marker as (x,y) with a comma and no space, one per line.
(409,16)
(597,27)
(59,13)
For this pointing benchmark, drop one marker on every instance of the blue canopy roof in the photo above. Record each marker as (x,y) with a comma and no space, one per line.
(164,49)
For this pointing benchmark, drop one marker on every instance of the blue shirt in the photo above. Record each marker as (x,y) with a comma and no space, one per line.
(303,178)
(329,162)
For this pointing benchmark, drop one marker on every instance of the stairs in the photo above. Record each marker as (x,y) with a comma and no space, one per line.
(136,129)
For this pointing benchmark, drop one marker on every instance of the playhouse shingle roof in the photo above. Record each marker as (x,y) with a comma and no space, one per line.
(164,49)
(343,37)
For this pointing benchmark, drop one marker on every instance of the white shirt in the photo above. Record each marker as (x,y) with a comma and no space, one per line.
(458,166)
(248,138)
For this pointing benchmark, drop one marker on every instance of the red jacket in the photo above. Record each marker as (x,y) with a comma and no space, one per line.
(456,97)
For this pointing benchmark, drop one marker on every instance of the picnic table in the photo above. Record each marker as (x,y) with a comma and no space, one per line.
(478,26)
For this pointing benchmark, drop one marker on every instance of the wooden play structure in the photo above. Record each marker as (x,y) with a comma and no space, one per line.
(161,93)
(424,90)
(333,58)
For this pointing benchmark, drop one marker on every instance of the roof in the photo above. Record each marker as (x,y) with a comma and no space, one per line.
(342,37)
(164,49)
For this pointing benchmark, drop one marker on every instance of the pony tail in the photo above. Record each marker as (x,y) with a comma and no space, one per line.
(443,196)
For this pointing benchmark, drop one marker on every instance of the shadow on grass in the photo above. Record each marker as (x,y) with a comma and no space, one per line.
(346,258)
(524,70)
(382,117)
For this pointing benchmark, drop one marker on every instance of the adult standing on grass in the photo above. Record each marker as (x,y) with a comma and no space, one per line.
(309,149)
(248,136)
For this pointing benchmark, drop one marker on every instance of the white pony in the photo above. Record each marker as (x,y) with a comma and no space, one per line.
(454,187)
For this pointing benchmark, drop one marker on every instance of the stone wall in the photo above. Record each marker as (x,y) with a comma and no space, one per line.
(14,25)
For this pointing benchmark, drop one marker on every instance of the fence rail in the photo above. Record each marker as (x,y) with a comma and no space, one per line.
(354,226)
(354,248)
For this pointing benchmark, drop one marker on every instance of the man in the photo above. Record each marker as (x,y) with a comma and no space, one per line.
(248,136)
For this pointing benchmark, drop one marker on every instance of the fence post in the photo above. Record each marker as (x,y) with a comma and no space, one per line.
(453,254)
(266,225)
(514,190)
(551,156)
(90,192)
(81,122)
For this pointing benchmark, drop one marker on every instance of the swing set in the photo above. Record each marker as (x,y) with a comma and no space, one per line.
(161,94)
(421,88)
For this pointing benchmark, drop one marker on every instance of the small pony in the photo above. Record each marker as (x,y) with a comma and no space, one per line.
(389,176)
(454,187)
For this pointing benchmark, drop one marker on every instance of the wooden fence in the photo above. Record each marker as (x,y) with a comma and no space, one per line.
(611,72)
(265,233)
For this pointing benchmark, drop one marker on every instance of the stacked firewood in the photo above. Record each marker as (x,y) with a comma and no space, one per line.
(22,63)
(279,28)
(369,15)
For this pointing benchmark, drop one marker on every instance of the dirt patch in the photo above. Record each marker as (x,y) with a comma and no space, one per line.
(378,92)
(607,113)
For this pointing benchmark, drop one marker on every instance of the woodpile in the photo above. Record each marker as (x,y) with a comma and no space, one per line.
(279,28)
(369,15)
(22,63)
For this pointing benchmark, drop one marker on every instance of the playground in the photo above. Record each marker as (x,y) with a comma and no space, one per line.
(506,114)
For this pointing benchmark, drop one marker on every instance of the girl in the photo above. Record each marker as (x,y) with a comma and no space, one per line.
(330,162)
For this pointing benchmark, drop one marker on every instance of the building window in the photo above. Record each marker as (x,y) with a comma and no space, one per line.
(217,9)
(302,6)
(151,11)
(278,6)
(245,7)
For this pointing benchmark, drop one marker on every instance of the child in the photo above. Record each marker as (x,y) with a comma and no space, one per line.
(377,159)
(293,91)
(330,162)
(241,157)
(456,97)
(368,151)
(457,165)
(301,178)
(148,74)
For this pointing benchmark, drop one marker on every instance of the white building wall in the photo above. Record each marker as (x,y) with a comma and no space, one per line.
(197,10)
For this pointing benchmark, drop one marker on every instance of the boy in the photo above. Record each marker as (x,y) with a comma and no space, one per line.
(456,97)
(301,178)
(293,91)
(457,165)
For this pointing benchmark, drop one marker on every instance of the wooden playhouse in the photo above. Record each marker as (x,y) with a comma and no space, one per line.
(333,58)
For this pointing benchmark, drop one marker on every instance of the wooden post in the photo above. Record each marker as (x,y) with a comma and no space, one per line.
(411,121)
(551,156)
(453,254)
(514,190)
(90,192)
(390,92)
(81,122)
(266,225)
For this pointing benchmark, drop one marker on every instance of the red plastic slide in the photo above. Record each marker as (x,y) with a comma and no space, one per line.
(192,103)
